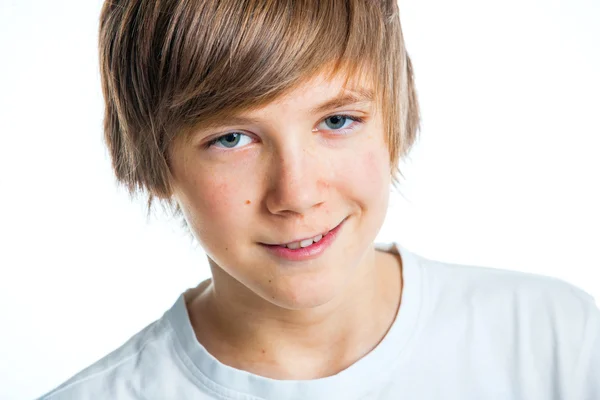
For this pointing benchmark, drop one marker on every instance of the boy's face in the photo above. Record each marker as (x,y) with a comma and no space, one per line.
(291,172)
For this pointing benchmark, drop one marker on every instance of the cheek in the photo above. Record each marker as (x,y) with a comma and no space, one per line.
(366,173)
(216,195)
(215,202)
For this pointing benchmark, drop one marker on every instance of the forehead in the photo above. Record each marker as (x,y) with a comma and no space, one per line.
(316,97)
(325,86)
(313,96)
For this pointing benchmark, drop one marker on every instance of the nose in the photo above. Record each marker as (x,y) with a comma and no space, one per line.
(297,180)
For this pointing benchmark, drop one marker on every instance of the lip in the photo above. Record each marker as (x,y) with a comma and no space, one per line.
(299,240)
(305,253)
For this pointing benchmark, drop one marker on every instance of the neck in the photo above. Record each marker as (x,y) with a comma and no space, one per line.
(244,331)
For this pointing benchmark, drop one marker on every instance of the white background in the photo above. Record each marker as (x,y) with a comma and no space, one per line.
(506,173)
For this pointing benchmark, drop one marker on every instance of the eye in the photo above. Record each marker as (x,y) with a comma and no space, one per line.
(335,122)
(340,122)
(229,140)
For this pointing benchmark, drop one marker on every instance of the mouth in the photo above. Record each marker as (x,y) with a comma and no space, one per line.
(305,249)
(307,241)
(296,244)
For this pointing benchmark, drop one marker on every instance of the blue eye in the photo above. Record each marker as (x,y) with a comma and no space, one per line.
(336,122)
(229,140)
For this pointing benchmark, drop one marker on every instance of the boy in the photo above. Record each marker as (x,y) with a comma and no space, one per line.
(274,128)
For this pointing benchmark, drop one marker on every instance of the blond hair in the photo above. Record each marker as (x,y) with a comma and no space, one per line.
(169,65)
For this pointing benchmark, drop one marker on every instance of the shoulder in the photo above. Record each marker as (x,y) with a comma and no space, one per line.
(550,327)
(117,375)
(508,299)
(502,284)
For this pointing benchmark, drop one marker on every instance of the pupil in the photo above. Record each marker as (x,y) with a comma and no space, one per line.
(230,140)
(338,121)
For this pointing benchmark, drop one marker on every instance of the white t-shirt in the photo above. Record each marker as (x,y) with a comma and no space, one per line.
(461,333)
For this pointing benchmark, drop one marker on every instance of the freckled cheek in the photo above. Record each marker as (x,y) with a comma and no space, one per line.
(219,200)
(217,197)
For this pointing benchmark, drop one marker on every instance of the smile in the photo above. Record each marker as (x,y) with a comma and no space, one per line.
(305,249)
(304,242)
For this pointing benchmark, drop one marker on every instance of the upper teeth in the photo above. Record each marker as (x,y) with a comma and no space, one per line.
(303,243)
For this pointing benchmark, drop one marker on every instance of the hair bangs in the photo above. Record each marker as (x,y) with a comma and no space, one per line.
(262,50)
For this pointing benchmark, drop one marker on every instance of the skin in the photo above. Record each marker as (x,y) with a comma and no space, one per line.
(295,175)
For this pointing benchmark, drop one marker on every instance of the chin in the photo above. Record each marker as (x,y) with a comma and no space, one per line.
(302,294)
(303,303)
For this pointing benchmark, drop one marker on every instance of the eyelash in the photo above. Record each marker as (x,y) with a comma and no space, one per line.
(355,119)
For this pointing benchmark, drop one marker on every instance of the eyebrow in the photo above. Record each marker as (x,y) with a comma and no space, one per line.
(360,95)
(347,97)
